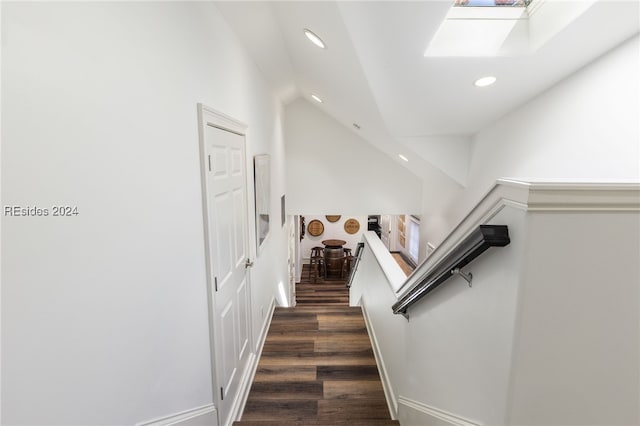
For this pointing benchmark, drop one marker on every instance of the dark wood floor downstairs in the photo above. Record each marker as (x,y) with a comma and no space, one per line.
(317,366)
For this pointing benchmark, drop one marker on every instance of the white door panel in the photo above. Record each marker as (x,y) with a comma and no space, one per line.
(243,321)
(240,255)
(236,162)
(221,238)
(228,362)
(227,243)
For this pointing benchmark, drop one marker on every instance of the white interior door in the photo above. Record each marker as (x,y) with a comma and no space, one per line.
(385,229)
(227,256)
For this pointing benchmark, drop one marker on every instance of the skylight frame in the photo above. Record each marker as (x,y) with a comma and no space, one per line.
(492,3)
(480,32)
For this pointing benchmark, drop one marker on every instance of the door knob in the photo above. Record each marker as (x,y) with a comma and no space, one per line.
(248,264)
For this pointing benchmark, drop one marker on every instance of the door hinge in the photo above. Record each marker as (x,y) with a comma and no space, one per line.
(215,282)
(209,162)
(221,394)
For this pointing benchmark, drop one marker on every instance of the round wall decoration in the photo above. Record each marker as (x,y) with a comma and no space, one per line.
(333,218)
(315,228)
(351,226)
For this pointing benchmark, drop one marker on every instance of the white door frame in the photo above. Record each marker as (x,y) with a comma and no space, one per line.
(292,252)
(210,117)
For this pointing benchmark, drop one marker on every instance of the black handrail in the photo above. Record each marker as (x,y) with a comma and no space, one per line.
(473,246)
(356,261)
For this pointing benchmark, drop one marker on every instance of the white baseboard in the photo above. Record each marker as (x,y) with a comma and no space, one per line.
(265,327)
(392,402)
(414,413)
(243,390)
(207,414)
(199,416)
(253,366)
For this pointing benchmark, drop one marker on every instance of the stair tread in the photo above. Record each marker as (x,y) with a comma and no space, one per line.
(317,366)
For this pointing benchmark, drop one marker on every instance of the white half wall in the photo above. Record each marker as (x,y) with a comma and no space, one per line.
(329,169)
(454,354)
(459,339)
(104,314)
(549,332)
(371,289)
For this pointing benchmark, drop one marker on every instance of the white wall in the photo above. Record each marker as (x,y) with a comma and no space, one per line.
(104,315)
(449,153)
(576,356)
(584,128)
(332,230)
(330,169)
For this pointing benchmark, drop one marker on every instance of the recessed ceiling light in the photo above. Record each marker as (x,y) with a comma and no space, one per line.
(403,157)
(485,81)
(314,39)
(316,98)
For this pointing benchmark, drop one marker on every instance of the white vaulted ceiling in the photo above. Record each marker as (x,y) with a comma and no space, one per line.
(374,72)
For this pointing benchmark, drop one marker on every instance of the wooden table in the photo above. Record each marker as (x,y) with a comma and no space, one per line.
(334,243)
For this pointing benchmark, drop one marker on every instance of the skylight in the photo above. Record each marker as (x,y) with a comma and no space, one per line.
(469,30)
(492,28)
(491,3)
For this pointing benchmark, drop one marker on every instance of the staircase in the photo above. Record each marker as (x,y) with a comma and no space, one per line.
(321,292)
(317,366)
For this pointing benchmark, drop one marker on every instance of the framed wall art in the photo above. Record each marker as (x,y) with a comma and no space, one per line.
(351,226)
(283,214)
(262,181)
(315,228)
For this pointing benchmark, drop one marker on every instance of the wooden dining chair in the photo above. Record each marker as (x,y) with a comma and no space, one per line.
(316,263)
(347,264)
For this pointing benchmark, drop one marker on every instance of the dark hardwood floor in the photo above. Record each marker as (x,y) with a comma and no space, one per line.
(317,366)
(320,291)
